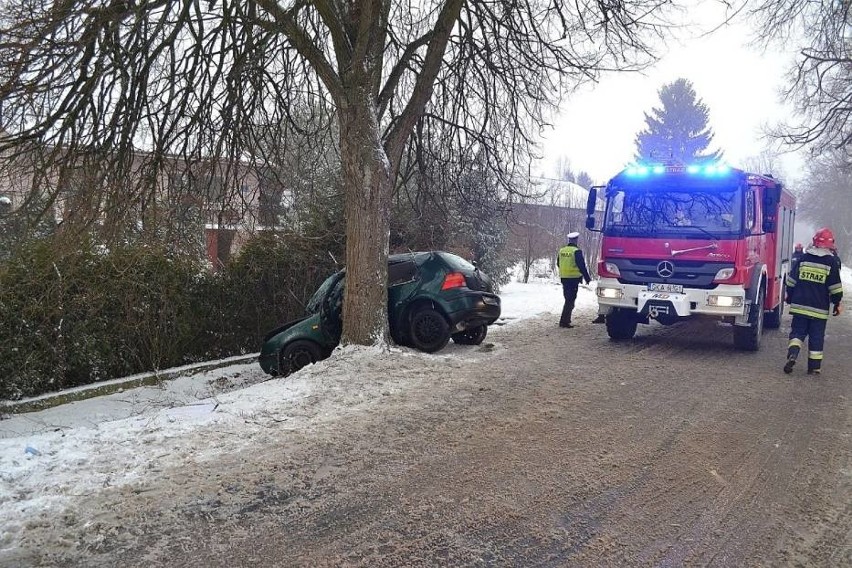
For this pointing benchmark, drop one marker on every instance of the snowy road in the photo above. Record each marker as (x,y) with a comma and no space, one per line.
(543,447)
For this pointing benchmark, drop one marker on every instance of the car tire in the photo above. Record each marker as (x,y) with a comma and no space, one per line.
(472,336)
(429,331)
(297,355)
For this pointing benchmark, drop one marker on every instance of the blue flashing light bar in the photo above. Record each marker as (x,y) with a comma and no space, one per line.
(709,170)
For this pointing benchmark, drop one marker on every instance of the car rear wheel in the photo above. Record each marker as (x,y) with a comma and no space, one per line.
(472,336)
(429,331)
(299,354)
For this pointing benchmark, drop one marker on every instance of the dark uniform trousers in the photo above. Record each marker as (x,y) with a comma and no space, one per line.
(569,292)
(814,330)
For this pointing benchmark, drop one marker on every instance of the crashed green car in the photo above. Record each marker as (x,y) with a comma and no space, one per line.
(432,297)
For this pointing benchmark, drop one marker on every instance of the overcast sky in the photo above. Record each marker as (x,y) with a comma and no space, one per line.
(597,126)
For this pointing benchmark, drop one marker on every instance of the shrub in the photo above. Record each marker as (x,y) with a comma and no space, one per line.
(269,282)
(72,317)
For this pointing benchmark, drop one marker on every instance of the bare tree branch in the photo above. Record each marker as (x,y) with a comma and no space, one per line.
(133,92)
(820,83)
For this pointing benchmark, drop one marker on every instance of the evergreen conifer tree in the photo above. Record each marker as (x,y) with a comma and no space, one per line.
(678,130)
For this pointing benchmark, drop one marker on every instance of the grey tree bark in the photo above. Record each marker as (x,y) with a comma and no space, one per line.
(367,186)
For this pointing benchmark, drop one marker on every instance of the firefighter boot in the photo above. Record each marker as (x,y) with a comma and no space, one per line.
(793,349)
(815,362)
(791,360)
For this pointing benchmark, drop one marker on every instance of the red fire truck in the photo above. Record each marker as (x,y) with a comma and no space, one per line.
(684,241)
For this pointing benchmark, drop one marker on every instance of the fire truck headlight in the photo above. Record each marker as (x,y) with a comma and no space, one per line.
(611,268)
(725,301)
(612,293)
(725,274)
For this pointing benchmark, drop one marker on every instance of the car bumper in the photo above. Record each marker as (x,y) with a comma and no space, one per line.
(613,294)
(472,310)
(269,363)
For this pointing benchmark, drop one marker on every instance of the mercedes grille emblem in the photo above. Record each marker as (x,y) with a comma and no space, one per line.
(665,269)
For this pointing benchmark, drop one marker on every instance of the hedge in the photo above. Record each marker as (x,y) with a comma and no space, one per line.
(79,317)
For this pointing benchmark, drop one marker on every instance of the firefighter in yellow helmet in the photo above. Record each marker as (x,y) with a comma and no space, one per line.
(813,285)
(572,269)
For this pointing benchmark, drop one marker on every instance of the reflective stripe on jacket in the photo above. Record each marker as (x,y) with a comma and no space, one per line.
(568,263)
(814,284)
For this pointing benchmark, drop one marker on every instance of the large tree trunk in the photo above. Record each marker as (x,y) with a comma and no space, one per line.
(367,184)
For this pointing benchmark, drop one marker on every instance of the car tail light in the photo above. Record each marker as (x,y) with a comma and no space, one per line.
(453,280)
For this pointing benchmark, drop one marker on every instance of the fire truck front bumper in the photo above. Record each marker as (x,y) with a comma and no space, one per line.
(673,301)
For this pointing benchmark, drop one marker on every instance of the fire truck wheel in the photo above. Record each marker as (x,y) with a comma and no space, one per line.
(772,319)
(621,325)
(748,338)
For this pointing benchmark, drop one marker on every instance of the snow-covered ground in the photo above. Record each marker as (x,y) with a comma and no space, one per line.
(52,458)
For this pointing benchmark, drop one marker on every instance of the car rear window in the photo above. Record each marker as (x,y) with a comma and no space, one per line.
(456,262)
(401,272)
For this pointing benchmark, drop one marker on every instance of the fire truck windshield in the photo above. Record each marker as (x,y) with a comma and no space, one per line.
(687,214)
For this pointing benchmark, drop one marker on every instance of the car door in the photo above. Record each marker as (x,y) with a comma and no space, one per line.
(331,310)
(403,281)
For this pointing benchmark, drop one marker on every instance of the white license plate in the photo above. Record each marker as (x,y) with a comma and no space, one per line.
(660,287)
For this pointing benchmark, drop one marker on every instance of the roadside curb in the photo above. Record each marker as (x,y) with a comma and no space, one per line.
(115,385)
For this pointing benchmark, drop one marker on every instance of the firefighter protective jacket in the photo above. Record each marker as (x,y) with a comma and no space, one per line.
(814,284)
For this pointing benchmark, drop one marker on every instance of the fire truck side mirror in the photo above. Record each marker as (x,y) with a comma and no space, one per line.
(591,203)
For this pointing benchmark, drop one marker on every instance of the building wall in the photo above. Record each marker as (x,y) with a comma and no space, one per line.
(194,195)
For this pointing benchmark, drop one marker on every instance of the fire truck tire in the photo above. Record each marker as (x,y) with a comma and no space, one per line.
(621,325)
(772,319)
(747,338)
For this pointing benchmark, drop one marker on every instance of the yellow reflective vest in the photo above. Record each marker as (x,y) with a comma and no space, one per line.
(568,263)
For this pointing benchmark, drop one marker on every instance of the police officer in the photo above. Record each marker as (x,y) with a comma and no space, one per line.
(812,287)
(572,269)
